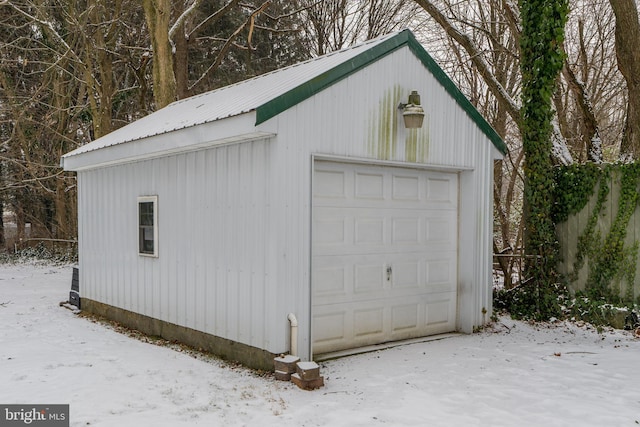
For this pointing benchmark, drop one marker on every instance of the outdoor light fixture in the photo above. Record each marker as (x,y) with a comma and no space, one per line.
(412,112)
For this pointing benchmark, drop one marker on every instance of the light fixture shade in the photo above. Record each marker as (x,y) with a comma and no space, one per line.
(413,116)
(413,113)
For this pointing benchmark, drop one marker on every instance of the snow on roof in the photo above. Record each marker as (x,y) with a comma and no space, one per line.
(272,93)
(228,101)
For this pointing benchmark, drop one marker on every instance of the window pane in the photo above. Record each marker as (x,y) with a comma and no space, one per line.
(146,213)
(147,232)
(146,239)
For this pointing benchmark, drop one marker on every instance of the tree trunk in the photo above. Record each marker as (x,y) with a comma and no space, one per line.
(591,136)
(158,14)
(3,241)
(628,54)
(541,61)
(181,64)
(21,224)
(99,71)
(506,102)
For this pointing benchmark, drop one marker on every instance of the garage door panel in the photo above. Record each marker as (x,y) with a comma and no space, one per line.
(440,230)
(406,230)
(342,231)
(442,191)
(369,279)
(369,186)
(330,184)
(384,254)
(369,231)
(330,280)
(330,328)
(330,231)
(440,274)
(405,188)
(361,324)
(368,323)
(439,311)
(406,274)
(334,182)
(358,324)
(405,318)
(410,272)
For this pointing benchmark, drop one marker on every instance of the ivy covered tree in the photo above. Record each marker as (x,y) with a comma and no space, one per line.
(542,60)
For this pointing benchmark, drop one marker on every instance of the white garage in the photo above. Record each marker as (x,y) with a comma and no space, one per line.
(295,212)
(384,264)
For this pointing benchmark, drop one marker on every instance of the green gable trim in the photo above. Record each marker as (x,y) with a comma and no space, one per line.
(456,94)
(296,95)
(306,90)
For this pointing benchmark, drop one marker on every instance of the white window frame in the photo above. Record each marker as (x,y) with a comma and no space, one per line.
(154,200)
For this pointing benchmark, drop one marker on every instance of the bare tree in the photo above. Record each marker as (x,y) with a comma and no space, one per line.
(482,55)
(627,36)
(200,45)
(158,15)
(72,71)
(62,76)
(336,24)
(590,99)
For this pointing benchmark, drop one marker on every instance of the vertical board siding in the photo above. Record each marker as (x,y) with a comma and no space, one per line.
(358,116)
(212,272)
(235,221)
(344,121)
(483,280)
(570,231)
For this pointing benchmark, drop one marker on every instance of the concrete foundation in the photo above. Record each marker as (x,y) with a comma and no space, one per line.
(226,349)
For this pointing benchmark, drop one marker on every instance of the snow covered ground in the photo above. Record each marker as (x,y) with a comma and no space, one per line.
(515,374)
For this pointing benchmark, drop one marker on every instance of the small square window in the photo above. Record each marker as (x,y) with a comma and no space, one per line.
(148,225)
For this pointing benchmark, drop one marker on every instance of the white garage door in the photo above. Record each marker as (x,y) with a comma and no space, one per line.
(384,256)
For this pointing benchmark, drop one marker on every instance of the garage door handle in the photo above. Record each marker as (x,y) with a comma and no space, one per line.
(389,271)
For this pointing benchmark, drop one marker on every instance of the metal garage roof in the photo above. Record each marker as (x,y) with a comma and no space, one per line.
(228,101)
(270,94)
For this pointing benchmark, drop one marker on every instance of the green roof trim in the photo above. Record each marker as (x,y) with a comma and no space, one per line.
(306,90)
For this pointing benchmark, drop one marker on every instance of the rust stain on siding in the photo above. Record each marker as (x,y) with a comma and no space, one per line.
(382,134)
(411,146)
(416,148)
(382,131)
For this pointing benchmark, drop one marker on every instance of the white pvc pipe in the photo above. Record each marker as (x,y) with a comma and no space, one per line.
(294,333)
